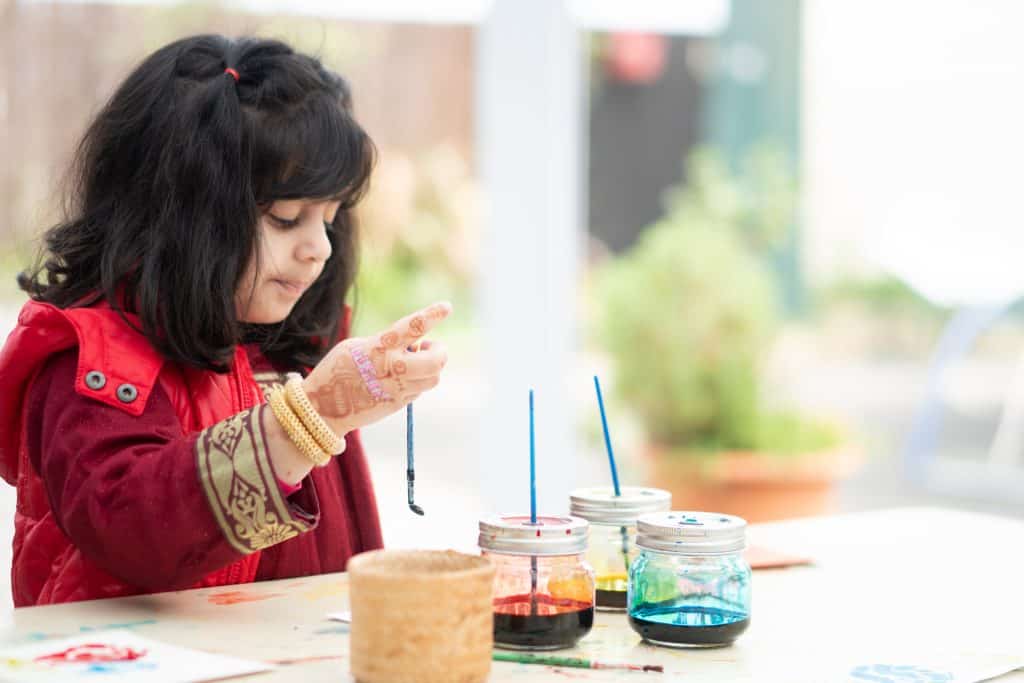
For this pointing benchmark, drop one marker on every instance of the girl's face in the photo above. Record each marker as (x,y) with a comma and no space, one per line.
(293,249)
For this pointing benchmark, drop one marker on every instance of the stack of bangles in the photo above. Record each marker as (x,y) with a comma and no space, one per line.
(304,426)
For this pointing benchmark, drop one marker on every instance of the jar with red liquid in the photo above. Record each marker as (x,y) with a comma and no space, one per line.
(543,587)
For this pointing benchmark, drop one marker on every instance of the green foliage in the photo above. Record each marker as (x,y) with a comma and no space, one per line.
(417,237)
(881,295)
(689,312)
(758,205)
(13,261)
(787,433)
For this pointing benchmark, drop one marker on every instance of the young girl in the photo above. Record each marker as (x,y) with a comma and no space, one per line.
(207,252)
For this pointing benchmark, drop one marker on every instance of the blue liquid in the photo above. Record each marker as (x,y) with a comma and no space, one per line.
(700,625)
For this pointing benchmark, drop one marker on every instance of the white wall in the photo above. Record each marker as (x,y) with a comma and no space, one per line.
(913,139)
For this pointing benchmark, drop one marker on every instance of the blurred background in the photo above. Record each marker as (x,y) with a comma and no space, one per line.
(784,235)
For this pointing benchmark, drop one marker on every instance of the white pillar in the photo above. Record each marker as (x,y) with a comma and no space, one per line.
(530,135)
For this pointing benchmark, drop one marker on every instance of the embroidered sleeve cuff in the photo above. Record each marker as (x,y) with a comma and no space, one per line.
(240,486)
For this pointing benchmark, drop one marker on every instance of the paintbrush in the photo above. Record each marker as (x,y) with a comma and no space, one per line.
(410,469)
(573,662)
(533,512)
(611,464)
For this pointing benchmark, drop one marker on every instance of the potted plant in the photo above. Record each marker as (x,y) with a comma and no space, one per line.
(687,316)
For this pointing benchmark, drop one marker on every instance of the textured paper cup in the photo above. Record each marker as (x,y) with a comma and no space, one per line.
(420,616)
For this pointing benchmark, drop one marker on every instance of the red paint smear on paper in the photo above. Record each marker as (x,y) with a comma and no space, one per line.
(91,653)
(236,597)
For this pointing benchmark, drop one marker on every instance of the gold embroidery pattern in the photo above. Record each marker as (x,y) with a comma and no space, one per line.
(240,485)
(268,381)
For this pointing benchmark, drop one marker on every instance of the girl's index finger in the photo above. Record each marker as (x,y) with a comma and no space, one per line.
(412,327)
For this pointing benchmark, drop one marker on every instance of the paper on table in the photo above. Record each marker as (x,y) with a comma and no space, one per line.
(344,616)
(116,655)
(760,557)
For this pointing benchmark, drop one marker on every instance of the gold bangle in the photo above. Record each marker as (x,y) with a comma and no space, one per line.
(299,402)
(296,432)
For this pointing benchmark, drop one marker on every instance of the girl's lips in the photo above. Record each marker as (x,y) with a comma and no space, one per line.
(292,287)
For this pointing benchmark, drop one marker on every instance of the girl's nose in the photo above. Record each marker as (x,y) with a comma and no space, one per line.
(314,245)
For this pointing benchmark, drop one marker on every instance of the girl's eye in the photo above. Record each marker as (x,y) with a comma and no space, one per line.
(284,222)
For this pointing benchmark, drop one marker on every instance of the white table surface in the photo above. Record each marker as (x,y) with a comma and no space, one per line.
(916,586)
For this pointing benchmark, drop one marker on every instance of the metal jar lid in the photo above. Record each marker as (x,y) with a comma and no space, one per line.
(600,505)
(692,533)
(516,535)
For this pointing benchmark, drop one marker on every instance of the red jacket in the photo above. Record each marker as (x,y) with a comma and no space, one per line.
(88,522)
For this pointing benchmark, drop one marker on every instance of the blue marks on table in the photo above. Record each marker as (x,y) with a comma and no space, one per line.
(899,673)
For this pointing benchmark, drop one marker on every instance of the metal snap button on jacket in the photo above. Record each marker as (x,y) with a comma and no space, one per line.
(127,393)
(95,380)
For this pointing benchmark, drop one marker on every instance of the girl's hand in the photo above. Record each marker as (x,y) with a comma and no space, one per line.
(364,379)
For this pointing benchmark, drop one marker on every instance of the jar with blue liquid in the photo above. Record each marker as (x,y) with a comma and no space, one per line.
(690,585)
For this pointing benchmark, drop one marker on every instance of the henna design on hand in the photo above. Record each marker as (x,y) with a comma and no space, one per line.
(368,373)
(379,357)
(332,400)
(344,394)
(437,312)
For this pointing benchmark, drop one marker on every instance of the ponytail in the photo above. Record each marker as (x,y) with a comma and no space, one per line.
(205,163)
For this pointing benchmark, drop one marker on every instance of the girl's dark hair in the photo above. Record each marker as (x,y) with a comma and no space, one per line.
(169,182)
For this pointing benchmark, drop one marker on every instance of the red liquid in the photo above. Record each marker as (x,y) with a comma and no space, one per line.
(91,653)
(548,624)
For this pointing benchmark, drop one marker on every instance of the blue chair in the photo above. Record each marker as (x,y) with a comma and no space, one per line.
(999,475)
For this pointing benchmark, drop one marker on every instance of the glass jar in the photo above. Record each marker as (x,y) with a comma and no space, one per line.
(690,585)
(612,547)
(543,587)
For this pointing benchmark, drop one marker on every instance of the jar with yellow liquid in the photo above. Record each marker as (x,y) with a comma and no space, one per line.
(543,587)
(612,545)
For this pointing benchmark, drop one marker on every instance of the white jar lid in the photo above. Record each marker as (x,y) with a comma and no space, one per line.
(551,535)
(692,533)
(600,505)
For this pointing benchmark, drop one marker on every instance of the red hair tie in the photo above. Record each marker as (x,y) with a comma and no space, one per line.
(234,74)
